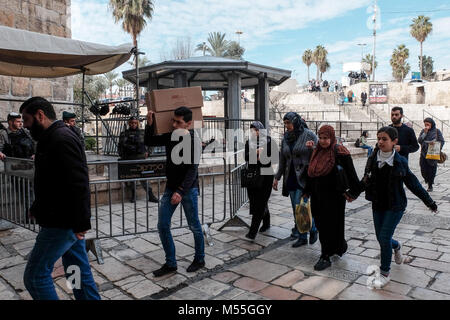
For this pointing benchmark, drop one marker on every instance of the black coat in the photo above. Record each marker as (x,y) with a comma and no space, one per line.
(61,181)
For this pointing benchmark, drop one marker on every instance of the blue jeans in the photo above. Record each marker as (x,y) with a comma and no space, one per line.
(369,150)
(166,210)
(295,199)
(385,223)
(52,244)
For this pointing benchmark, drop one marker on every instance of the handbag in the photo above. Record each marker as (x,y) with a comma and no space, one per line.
(434,151)
(443,157)
(303,217)
(342,184)
(250,177)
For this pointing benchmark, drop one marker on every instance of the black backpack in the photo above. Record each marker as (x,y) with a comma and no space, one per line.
(357,143)
(20,145)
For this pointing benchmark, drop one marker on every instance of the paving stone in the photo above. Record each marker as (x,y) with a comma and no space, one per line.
(212,262)
(371,253)
(141,245)
(237,252)
(320,287)
(250,284)
(260,269)
(354,243)
(225,277)
(169,281)
(210,287)
(289,279)
(110,294)
(360,292)
(124,254)
(306,297)
(190,293)
(406,274)
(24,245)
(249,296)
(427,254)
(138,286)
(278,293)
(11,261)
(445,249)
(143,264)
(224,237)
(445,257)
(392,286)
(229,295)
(6,292)
(114,270)
(426,294)
(247,245)
(430,264)
(371,245)
(422,245)
(441,283)
(14,276)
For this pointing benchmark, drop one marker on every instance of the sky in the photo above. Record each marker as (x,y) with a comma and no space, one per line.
(277,32)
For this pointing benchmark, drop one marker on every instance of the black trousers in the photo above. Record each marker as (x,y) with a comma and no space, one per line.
(258,198)
(428,171)
(130,186)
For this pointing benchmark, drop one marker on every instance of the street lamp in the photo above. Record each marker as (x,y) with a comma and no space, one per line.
(362,45)
(239,36)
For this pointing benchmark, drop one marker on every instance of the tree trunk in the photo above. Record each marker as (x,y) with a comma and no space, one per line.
(421,61)
(317,73)
(308,73)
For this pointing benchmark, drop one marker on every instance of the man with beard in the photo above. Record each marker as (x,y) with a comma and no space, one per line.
(407,141)
(69,119)
(15,141)
(61,206)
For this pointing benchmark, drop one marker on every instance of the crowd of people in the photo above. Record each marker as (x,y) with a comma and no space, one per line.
(312,167)
(323,86)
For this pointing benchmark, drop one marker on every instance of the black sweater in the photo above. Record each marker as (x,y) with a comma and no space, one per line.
(406,140)
(180,176)
(61,181)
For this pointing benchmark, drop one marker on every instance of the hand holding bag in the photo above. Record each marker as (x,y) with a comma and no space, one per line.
(303,217)
(434,151)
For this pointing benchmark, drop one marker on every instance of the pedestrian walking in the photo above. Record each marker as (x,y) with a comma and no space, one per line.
(363,98)
(181,186)
(258,144)
(386,172)
(132,147)
(429,136)
(61,206)
(331,180)
(407,141)
(293,167)
(364,144)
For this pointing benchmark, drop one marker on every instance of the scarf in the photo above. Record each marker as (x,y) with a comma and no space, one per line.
(385,158)
(260,141)
(323,159)
(299,126)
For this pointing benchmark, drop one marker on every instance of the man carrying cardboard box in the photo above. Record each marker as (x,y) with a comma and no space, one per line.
(183,151)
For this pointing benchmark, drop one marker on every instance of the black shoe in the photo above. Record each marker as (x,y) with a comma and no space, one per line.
(249,236)
(195,265)
(294,233)
(152,198)
(344,249)
(322,264)
(165,269)
(299,243)
(312,237)
(264,228)
(430,189)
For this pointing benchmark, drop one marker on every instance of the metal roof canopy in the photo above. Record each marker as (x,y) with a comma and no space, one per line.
(208,72)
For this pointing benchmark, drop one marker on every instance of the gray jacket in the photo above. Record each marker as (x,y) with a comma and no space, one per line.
(300,155)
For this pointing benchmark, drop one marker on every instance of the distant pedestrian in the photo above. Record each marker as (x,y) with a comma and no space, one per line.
(364,144)
(407,141)
(294,161)
(15,141)
(69,119)
(61,206)
(386,172)
(259,194)
(428,136)
(363,98)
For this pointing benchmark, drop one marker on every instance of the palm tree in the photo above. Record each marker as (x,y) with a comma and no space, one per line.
(132,13)
(217,44)
(427,67)
(400,67)
(110,78)
(420,29)
(142,61)
(234,50)
(121,83)
(307,59)
(368,59)
(324,67)
(319,57)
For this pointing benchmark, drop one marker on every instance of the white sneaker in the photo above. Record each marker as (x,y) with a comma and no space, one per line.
(381,281)
(398,257)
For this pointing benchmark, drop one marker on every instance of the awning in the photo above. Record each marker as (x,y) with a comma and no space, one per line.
(30,54)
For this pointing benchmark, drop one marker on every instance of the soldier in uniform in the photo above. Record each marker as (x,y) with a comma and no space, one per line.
(69,120)
(132,147)
(16,141)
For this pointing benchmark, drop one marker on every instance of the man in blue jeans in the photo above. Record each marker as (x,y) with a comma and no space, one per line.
(60,178)
(181,186)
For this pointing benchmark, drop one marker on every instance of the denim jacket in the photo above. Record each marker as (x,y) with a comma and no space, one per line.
(400,174)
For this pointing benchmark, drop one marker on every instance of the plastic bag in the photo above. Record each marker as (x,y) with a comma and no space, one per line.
(434,151)
(303,217)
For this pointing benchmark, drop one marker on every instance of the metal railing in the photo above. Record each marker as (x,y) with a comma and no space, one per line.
(444,125)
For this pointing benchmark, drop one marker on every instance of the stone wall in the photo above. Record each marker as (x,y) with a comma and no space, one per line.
(44,16)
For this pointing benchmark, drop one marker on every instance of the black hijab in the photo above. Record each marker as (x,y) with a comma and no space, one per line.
(299,127)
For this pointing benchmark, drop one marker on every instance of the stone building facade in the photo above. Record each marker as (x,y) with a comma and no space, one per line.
(44,16)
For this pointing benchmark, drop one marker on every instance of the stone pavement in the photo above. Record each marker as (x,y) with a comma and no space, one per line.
(269,268)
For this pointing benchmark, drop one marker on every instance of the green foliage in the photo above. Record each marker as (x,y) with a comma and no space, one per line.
(89,143)
(400,67)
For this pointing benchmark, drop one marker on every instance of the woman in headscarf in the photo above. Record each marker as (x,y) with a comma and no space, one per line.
(294,160)
(428,167)
(328,193)
(256,149)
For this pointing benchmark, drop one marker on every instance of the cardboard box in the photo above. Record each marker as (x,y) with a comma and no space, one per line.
(170,99)
(163,120)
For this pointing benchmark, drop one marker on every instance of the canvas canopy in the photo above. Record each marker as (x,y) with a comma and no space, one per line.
(30,54)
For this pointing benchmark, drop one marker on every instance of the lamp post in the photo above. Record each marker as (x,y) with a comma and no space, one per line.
(362,45)
(239,36)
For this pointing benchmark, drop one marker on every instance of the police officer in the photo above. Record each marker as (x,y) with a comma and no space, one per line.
(132,147)
(69,120)
(16,141)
